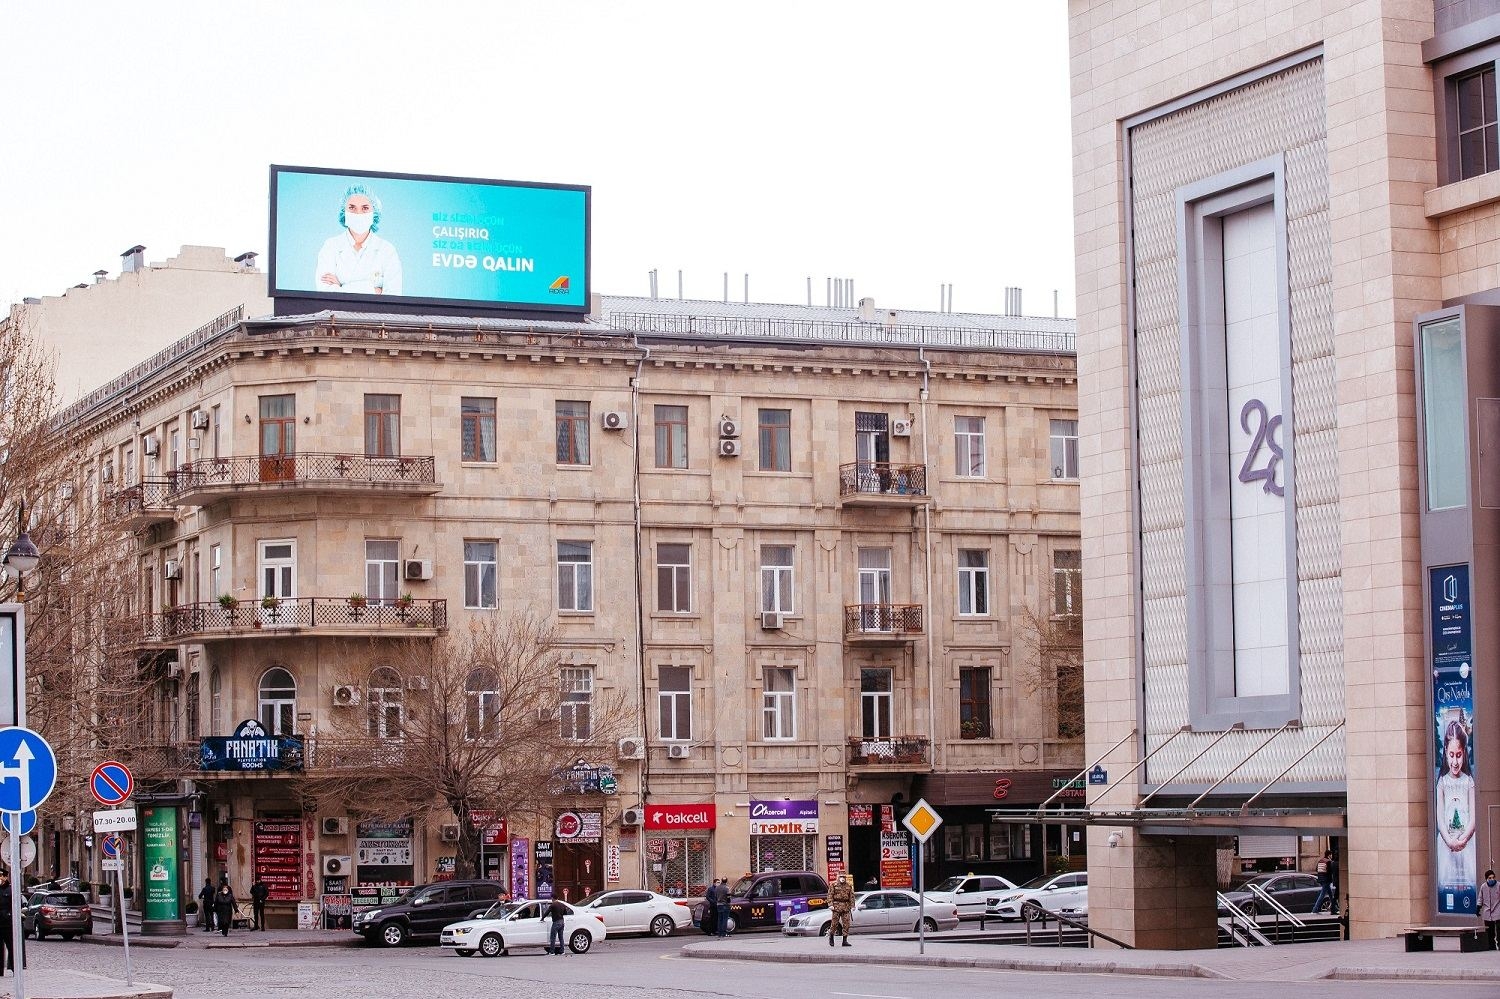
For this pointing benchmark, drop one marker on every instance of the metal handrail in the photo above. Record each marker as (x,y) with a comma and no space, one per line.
(1061,920)
(301,467)
(882,478)
(882,619)
(286,613)
(1250,926)
(1280,909)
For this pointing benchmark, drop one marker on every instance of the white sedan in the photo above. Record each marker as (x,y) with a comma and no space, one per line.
(968,892)
(1064,893)
(632,910)
(893,910)
(522,924)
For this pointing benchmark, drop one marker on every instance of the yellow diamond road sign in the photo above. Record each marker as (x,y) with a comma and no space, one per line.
(922,820)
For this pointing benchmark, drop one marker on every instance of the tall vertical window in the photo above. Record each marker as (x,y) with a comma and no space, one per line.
(215,702)
(1064,449)
(674,693)
(384,697)
(382,570)
(1067,582)
(216,572)
(194,707)
(278,702)
(674,578)
(130,466)
(478,418)
(481,704)
(1474,107)
(973,581)
(671,437)
(776,580)
(216,426)
(875,703)
(776,440)
(479,574)
(575,711)
(575,575)
(1445,447)
(278,434)
(382,426)
(572,433)
(174,449)
(779,704)
(968,446)
(875,610)
(974,702)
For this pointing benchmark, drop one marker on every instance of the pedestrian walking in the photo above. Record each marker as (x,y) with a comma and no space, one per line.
(557,912)
(224,907)
(7,927)
(258,895)
(709,921)
(1489,908)
(840,903)
(1328,883)
(206,905)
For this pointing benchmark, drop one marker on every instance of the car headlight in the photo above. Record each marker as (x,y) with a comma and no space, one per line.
(370,915)
(462,930)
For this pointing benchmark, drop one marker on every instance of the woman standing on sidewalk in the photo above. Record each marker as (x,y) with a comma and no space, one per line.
(224,907)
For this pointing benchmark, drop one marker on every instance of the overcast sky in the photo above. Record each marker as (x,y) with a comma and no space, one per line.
(897,144)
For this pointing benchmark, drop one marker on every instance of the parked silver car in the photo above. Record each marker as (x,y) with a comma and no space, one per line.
(893,910)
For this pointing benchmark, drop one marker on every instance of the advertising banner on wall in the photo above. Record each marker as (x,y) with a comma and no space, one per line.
(834,850)
(520,867)
(159,858)
(895,860)
(783,817)
(278,858)
(378,238)
(1453,733)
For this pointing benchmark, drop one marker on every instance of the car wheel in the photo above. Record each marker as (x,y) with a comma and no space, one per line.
(393,934)
(825,929)
(41,934)
(491,945)
(662,926)
(729,925)
(580,942)
(929,924)
(1250,909)
(1031,912)
(464,951)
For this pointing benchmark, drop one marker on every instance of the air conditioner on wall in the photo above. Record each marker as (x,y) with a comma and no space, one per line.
(200,420)
(729,427)
(679,752)
(729,449)
(172,569)
(633,749)
(174,671)
(418,568)
(772,621)
(151,446)
(449,833)
(901,428)
(614,420)
(338,865)
(631,817)
(336,826)
(345,695)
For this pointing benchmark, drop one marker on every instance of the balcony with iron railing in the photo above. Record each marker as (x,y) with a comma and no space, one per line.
(296,617)
(882,624)
(906,752)
(882,483)
(141,505)
(208,479)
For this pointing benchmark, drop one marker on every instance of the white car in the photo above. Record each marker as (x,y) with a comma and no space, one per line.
(1067,894)
(522,924)
(632,910)
(893,910)
(968,892)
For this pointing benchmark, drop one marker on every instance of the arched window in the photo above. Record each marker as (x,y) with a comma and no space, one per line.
(481,704)
(385,703)
(278,702)
(215,703)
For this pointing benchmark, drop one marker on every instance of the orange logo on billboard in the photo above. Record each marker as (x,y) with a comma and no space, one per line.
(560,286)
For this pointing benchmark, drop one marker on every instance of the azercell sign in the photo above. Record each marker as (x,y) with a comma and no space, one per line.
(784,809)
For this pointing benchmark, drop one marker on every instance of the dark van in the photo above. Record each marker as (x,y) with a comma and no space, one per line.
(764,901)
(421,913)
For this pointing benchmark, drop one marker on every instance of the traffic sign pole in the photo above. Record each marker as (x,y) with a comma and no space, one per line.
(124,916)
(17,929)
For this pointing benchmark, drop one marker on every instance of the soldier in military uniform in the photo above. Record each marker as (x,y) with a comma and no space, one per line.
(840,902)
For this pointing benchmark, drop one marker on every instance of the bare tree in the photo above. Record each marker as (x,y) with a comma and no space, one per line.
(1051,667)
(481,720)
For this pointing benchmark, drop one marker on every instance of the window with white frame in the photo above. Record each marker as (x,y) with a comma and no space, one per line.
(968,446)
(216,572)
(215,702)
(674,578)
(479,574)
(875,703)
(973,582)
(779,703)
(575,575)
(675,702)
(776,579)
(1064,451)
(382,570)
(576,709)
(384,697)
(1067,582)
(481,704)
(278,702)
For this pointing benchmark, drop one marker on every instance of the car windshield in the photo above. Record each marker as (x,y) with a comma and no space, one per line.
(1036,882)
(498,910)
(951,884)
(65,898)
(589,900)
(742,886)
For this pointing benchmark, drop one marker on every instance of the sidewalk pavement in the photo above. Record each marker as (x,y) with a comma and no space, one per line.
(196,939)
(1350,960)
(57,984)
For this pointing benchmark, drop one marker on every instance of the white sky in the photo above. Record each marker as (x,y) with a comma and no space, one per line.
(898,144)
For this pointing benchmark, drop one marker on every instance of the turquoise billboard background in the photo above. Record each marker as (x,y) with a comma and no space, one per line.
(490,243)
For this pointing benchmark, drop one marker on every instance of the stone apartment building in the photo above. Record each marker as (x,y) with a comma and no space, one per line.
(810,549)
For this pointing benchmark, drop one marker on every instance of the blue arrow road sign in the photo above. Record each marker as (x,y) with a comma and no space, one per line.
(111,782)
(28,769)
(28,822)
(111,845)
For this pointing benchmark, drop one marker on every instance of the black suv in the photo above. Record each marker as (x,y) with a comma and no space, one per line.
(422,912)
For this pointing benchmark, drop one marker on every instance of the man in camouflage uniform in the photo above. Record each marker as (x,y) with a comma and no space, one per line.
(840,902)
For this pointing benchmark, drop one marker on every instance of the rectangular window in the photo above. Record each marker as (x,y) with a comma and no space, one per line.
(875,610)
(675,701)
(973,582)
(1445,447)
(382,570)
(875,703)
(674,578)
(572,433)
(1474,111)
(1067,583)
(776,440)
(968,446)
(671,437)
(130,468)
(575,575)
(174,449)
(974,702)
(216,424)
(779,703)
(478,418)
(481,705)
(479,574)
(776,579)
(575,712)
(1064,449)
(382,426)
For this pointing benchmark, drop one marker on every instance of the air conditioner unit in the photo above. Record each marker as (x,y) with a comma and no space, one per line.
(679,752)
(345,695)
(174,671)
(418,568)
(546,714)
(729,427)
(107,473)
(416,683)
(901,428)
(729,448)
(200,420)
(772,621)
(222,814)
(632,817)
(337,865)
(338,826)
(614,420)
(66,490)
(449,833)
(633,749)
(171,569)
(151,446)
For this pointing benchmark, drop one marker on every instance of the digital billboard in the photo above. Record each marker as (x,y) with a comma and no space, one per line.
(398,238)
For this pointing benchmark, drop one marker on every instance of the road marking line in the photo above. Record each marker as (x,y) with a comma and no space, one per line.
(866,995)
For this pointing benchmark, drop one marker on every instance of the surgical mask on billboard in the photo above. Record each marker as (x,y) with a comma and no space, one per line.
(359,224)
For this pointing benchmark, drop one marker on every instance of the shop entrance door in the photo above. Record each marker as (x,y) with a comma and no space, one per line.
(578,870)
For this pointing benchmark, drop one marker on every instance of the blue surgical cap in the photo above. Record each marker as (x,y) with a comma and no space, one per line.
(354,189)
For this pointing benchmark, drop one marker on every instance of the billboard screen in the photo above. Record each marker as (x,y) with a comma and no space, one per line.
(380,237)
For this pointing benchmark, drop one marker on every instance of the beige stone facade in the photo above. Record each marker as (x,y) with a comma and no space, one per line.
(909,501)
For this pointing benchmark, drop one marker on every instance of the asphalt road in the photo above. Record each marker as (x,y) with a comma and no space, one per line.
(638,969)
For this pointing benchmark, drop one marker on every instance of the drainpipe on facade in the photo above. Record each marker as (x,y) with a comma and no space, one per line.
(927,561)
(640,629)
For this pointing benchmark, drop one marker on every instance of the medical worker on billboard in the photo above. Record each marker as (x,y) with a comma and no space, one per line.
(357,260)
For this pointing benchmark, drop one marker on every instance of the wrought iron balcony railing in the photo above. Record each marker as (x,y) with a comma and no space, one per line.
(884,479)
(305,468)
(142,504)
(882,621)
(902,750)
(254,618)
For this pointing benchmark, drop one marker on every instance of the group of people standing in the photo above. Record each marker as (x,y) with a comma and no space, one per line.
(216,905)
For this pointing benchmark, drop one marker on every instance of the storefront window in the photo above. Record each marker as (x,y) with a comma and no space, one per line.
(678,864)
(782,853)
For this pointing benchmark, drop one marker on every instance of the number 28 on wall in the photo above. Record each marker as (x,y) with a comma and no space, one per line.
(1262,436)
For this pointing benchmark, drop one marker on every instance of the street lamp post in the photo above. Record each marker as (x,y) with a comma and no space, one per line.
(22,557)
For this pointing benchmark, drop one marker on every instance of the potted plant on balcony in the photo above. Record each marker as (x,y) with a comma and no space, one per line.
(269,602)
(971,728)
(404,601)
(908,750)
(357,600)
(228,601)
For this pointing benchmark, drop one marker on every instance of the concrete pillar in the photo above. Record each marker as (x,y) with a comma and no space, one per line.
(1153,892)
